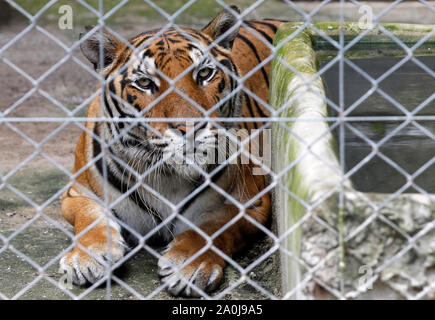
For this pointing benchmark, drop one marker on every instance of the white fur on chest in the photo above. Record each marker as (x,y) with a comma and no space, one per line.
(169,194)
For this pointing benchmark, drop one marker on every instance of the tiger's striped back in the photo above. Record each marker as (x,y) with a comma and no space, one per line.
(251,52)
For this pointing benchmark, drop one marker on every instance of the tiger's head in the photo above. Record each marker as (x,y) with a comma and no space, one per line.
(165,76)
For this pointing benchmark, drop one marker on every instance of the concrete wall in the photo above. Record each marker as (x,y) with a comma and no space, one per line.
(338,242)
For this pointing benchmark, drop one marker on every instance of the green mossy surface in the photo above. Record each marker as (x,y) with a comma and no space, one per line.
(295,50)
(374,43)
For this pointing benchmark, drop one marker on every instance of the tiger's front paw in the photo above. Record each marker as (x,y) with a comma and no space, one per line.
(205,271)
(81,267)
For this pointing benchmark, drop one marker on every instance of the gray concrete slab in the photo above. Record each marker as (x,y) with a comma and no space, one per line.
(44,245)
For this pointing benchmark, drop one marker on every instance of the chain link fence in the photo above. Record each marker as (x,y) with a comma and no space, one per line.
(333,224)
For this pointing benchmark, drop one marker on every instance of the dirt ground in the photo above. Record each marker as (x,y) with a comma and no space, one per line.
(35,161)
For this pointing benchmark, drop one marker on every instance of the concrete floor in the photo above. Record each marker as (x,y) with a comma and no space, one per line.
(41,241)
(43,245)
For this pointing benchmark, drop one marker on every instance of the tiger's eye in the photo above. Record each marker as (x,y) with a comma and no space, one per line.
(205,73)
(144,82)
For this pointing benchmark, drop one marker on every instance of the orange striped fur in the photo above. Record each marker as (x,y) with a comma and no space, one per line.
(142,80)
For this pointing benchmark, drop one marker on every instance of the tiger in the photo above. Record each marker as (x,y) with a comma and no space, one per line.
(202,221)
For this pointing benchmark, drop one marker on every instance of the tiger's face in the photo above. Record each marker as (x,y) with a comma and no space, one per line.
(179,80)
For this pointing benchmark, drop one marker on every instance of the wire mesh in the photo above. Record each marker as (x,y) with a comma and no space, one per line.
(105,264)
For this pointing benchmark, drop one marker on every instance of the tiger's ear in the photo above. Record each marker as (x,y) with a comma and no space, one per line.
(224,21)
(91,47)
